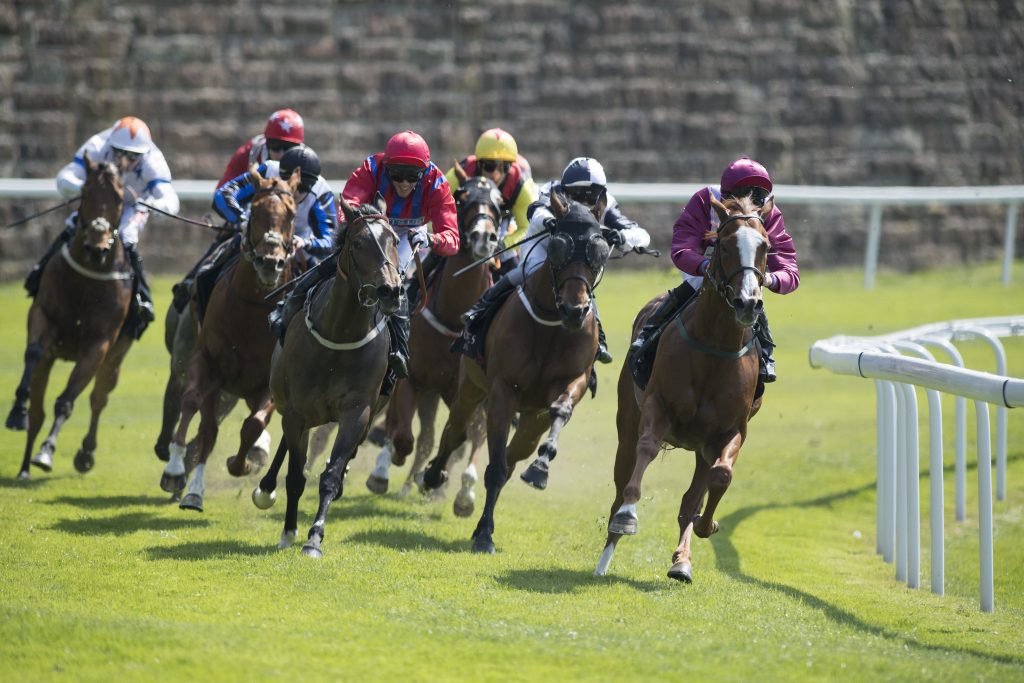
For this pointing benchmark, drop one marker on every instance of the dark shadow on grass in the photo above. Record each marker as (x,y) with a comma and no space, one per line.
(404,539)
(108,502)
(127,523)
(37,481)
(727,561)
(357,507)
(570,581)
(209,550)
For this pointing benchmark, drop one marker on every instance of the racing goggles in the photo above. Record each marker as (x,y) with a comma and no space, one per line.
(405,174)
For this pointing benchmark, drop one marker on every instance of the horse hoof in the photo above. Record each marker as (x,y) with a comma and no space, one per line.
(312,551)
(17,419)
(483,546)
(84,461)
(377,484)
(24,475)
(681,571)
(376,437)
(192,501)
(714,527)
(405,490)
(162,452)
(172,483)
(624,522)
(536,475)
(287,539)
(43,461)
(246,469)
(264,500)
(465,503)
(397,459)
(427,483)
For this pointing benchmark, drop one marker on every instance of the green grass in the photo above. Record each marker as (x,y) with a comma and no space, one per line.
(101,579)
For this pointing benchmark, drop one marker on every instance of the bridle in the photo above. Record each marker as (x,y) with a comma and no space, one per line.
(366,293)
(716,275)
(248,246)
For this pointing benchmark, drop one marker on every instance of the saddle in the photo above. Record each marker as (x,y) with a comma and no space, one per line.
(208,277)
(471,343)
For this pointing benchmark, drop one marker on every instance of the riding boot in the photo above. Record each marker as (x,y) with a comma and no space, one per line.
(494,295)
(766,368)
(296,298)
(36,274)
(142,313)
(181,291)
(672,304)
(412,292)
(398,326)
(603,354)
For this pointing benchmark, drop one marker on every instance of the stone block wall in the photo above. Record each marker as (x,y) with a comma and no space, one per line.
(824,92)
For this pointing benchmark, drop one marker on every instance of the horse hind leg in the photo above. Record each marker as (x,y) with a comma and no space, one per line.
(682,567)
(319,438)
(426,409)
(36,413)
(465,499)
(193,499)
(253,427)
(17,419)
(627,424)
(719,478)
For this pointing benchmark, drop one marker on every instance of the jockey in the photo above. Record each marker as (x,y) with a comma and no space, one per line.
(315,209)
(283,131)
(584,181)
(691,251)
(127,144)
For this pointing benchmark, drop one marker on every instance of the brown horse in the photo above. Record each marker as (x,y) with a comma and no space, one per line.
(538,354)
(433,370)
(702,389)
(77,315)
(235,343)
(332,364)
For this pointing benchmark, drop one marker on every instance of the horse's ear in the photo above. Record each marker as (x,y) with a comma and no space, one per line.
(460,172)
(766,208)
(293,181)
(90,166)
(381,205)
(350,214)
(557,206)
(719,208)
(254,174)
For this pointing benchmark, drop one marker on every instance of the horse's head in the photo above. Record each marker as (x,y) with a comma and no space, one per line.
(577,253)
(369,255)
(99,215)
(479,205)
(737,268)
(268,235)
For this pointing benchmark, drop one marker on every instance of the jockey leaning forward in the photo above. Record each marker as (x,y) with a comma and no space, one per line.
(127,144)
(584,181)
(415,193)
(692,245)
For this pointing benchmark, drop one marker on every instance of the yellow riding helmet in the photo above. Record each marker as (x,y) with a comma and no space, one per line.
(496,144)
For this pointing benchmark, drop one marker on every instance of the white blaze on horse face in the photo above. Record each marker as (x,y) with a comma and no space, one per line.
(747,242)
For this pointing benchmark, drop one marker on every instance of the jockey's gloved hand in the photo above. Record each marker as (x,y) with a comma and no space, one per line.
(298,242)
(420,237)
(614,237)
(549,223)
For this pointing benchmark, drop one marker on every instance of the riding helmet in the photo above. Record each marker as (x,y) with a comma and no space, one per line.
(286,125)
(304,159)
(744,172)
(584,172)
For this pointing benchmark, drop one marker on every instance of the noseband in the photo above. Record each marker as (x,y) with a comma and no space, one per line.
(721,281)
(366,292)
(249,247)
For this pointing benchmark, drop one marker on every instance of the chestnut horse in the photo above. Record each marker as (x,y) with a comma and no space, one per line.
(332,364)
(77,315)
(538,355)
(702,389)
(235,342)
(433,369)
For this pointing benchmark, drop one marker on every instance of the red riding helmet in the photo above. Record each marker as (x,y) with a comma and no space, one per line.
(286,125)
(409,148)
(745,172)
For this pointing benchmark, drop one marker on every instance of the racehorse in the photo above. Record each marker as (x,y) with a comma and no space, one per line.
(332,366)
(77,315)
(235,342)
(434,371)
(702,389)
(538,355)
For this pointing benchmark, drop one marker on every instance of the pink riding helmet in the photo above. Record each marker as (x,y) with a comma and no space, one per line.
(744,172)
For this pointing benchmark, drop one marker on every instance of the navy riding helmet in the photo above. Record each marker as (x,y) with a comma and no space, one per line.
(305,159)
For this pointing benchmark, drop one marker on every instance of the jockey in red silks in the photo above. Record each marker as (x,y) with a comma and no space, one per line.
(691,251)
(284,130)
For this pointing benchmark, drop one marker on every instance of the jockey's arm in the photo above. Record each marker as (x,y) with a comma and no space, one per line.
(633,235)
(160,194)
(440,211)
(322,218)
(71,178)
(688,236)
(783,274)
(228,199)
(527,195)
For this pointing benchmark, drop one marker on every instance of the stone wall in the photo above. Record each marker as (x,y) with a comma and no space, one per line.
(917,92)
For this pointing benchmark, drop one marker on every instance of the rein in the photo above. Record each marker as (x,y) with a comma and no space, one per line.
(43,212)
(205,223)
(365,301)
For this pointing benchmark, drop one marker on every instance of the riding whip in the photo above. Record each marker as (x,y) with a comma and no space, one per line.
(42,213)
(423,283)
(206,223)
(485,259)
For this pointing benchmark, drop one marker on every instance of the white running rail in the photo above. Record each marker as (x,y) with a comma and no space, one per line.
(898,483)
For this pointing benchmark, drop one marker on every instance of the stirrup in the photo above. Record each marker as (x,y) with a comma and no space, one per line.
(398,365)
(604,355)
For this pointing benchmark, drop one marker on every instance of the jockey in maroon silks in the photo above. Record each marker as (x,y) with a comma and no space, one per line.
(691,250)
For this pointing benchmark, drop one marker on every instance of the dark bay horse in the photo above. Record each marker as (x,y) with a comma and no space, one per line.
(538,355)
(235,343)
(77,315)
(332,364)
(434,370)
(702,389)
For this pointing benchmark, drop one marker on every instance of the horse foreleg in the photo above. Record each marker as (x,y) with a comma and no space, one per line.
(682,568)
(501,405)
(252,427)
(426,409)
(465,499)
(536,475)
(295,480)
(470,396)
(106,381)
(36,413)
(654,424)
(718,479)
(197,388)
(41,335)
(207,437)
(352,425)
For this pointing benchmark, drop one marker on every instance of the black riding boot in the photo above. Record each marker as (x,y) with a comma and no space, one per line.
(430,264)
(766,368)
(36,274)
(141,313)
(494,295)
(603,354)
(181,291)
(296,298)
(639,354)
(398,326)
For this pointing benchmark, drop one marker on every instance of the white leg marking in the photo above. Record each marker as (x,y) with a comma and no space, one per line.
(605,561)
(176,463)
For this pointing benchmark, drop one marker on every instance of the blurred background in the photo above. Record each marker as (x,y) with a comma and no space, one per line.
(823,92)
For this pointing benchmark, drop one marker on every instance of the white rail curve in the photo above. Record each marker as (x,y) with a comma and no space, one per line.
(898,521)
(876,198)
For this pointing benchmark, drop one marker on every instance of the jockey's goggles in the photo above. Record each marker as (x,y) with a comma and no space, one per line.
(492,165)
(588,195)
(405,174)
(758,195)
(125,154)
(280,145)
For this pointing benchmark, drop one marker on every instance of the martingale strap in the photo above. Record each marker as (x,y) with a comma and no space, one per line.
(693,343)
(92,274)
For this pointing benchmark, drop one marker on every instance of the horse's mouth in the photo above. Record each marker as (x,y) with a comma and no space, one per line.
(268,276)
(573,317)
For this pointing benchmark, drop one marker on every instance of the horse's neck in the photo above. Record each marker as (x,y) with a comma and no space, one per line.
(713,322)
(341,316)
(245,281)
(540,289)
(456,295)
